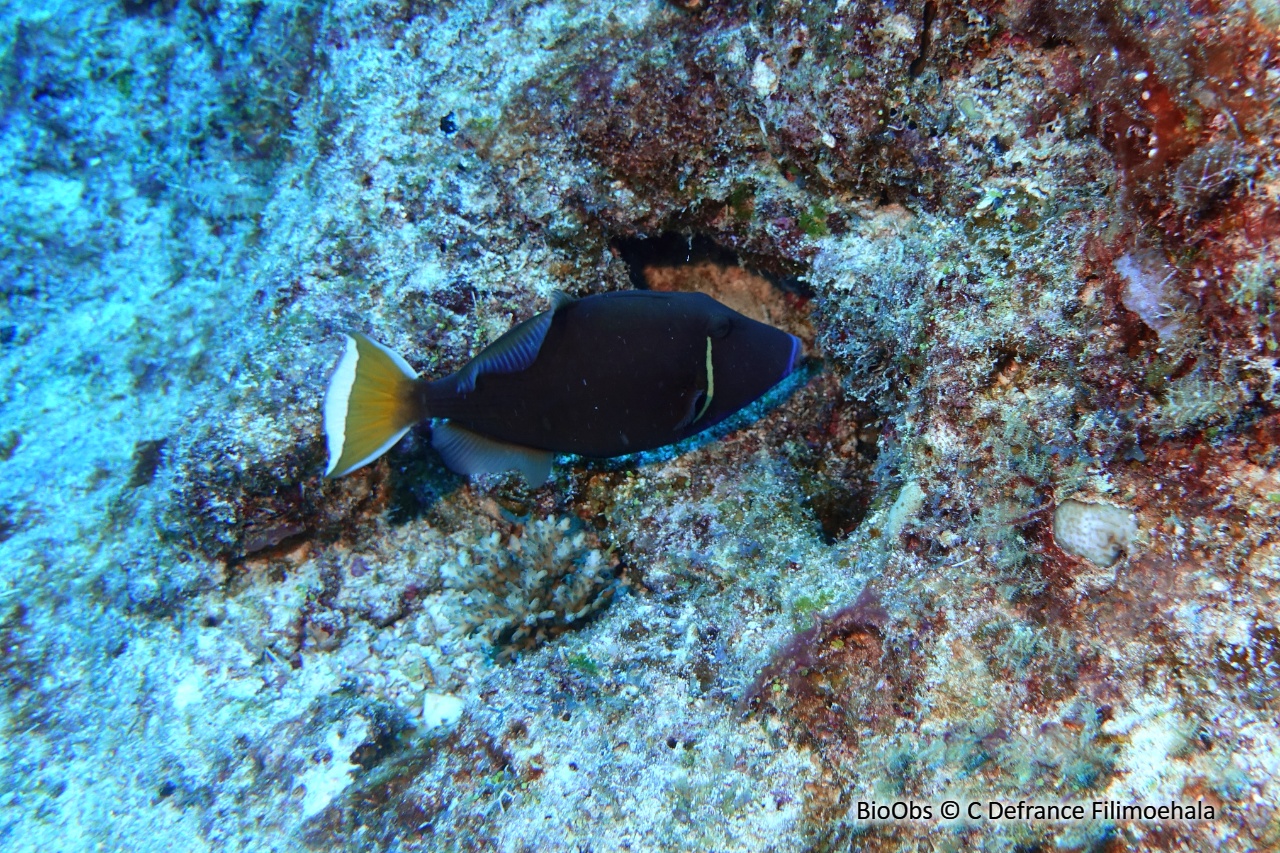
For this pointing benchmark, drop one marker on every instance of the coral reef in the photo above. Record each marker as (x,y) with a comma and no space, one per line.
(1009,534)
(532,586)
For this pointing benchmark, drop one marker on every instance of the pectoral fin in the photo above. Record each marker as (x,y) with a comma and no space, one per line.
(467,452)
(695,405)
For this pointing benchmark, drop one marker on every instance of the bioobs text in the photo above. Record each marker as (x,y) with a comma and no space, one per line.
(897,810)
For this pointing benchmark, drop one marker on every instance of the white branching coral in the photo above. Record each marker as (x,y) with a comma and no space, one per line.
(533,585)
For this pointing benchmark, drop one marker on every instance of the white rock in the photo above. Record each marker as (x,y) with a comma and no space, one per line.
(1098,532)
(325,779)
(189,691)
(905,507)
(440,709)
(763,78)
(1148,288)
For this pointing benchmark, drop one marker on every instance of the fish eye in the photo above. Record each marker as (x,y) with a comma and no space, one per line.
(719,326)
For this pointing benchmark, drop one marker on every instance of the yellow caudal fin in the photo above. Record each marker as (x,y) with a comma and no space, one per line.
(369,405)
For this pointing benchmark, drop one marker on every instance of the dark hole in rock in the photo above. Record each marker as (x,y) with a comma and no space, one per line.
(270,533)
(669,249)
(8,444)
(8,526)
(834,453)
(695,263)
(419,479)
(154,8)
(836,458)
(839,505)
(148,456)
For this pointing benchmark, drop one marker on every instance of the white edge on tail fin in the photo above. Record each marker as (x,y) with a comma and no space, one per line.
(337,398)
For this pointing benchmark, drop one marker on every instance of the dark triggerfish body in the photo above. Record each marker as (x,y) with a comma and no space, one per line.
(606,375)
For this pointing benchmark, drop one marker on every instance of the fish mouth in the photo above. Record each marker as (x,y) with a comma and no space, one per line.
(795,355)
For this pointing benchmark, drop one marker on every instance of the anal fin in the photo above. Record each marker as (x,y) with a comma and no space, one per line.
(467,452)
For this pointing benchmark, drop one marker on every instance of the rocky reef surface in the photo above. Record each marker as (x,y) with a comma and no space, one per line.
(1010,534)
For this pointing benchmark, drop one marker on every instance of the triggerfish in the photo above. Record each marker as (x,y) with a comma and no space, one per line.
(601,376)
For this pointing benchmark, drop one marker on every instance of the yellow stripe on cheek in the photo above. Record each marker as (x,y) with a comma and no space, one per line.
(711,385)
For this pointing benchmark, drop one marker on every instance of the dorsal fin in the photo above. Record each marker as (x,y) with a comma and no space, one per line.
(467,452)
(515,350)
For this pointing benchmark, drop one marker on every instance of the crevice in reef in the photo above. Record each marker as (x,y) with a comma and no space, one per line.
(669,250)
(836,457)
(694,262)
(647,257)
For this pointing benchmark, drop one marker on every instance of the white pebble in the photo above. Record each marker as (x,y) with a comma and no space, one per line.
(1099,533)
(440,709)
